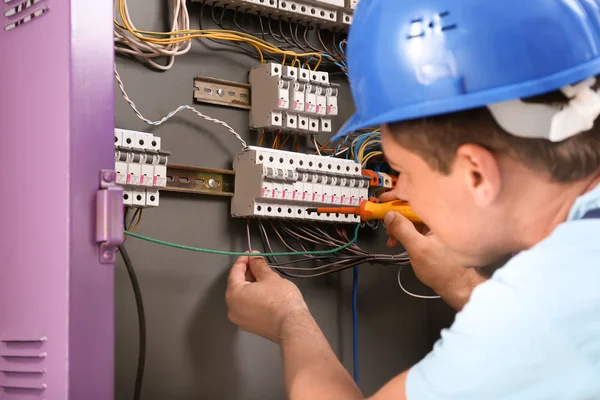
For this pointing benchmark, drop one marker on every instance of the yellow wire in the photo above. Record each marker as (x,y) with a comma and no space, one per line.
(363,147)
(371,155)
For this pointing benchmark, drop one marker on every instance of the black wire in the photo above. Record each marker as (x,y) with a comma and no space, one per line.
(273,33)
(282,35)
(305,36)
(262,27)
(139,302)
(295,37)
(223,10)
(235,13)
(231,44)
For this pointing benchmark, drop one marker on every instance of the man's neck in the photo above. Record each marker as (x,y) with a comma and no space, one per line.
(542,206)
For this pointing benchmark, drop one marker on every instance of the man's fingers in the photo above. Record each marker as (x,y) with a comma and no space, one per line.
(238,271)
(260,268)
(391,242)
(388,196)
(403,231)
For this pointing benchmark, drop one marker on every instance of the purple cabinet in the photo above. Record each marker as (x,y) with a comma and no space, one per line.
(56,135)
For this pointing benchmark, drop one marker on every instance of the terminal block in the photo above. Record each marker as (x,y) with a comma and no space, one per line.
(141,167)
(292,99)
(280,184)
(323,13)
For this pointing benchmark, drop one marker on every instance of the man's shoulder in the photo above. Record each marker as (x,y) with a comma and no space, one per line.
(568,256)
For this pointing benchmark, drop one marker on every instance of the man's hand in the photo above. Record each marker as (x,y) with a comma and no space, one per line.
(433,263)
(259,300)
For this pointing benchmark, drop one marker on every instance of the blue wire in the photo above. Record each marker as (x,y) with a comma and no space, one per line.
(355,323)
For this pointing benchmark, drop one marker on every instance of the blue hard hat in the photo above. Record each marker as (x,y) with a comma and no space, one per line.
(414,59)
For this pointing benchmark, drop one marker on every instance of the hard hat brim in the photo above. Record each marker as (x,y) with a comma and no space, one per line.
(474,100)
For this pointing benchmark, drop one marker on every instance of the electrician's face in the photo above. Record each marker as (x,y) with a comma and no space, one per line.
(458,207)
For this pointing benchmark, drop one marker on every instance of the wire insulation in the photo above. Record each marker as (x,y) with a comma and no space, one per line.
(238,254)
(418,296)
(172,113)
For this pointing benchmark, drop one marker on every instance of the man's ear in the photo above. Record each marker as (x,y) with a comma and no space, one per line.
(480,169)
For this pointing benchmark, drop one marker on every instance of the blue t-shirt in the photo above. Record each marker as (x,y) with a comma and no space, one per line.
(532,331)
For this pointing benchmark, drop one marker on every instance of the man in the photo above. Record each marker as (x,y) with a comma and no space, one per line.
(492,170)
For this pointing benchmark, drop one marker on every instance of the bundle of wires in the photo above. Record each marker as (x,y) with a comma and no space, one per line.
(149,45)
(365,147)
(307,237)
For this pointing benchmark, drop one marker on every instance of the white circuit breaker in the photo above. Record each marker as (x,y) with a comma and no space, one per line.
(292,99)
(280,184)
(141,167)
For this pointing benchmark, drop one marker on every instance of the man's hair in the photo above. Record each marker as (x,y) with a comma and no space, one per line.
(436,140)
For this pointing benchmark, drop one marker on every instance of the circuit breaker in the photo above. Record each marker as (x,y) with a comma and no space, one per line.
(141,167)
(279,184)
(292,99)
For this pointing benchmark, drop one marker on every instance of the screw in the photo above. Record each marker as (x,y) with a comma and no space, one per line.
(107,255)
(220,92)
(213,183)
(108,176)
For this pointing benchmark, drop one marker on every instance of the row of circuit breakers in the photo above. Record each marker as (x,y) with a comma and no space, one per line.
(269,183)
(333,14)
(141,167)
(292,99)
(281,184)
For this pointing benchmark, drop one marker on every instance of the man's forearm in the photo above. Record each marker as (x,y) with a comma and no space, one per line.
(312,370)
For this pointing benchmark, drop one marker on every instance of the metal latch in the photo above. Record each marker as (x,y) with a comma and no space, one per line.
(109,216)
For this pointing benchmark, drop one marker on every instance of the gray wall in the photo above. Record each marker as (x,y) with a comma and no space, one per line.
(193,351)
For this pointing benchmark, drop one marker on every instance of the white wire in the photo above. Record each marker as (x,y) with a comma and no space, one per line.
(341,152)
(418,296)
(314,140)
(248,232)
(172,113)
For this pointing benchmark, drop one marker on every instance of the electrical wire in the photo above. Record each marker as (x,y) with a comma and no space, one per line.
(249,236)
(139,303)
(297,236)
(131,45)
(418,296)
(314,140)
(172,113)
(232,253)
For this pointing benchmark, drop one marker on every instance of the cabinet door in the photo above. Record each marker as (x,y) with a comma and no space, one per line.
(56,133)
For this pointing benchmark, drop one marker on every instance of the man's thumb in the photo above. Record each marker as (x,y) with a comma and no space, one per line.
(260,268)
(401,229)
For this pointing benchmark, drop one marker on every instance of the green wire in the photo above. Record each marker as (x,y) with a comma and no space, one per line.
(234,253)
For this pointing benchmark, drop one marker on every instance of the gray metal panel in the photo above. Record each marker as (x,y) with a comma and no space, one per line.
(193,350)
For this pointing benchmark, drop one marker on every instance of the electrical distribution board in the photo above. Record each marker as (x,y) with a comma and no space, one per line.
(280,184)
(141,167)
(292,99)
(333,14)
